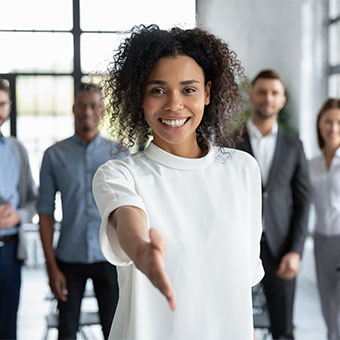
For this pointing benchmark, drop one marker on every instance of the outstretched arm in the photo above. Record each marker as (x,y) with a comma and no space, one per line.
(144,247)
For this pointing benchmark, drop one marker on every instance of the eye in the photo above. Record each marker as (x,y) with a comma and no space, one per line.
(157,90)
(189,90)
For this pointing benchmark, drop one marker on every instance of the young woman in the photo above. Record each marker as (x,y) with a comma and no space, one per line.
(325,174)
(184,215)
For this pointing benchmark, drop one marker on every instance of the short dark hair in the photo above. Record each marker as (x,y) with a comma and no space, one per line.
(138,54)
(267,74)
(330,103)
(4,86)
(89,87)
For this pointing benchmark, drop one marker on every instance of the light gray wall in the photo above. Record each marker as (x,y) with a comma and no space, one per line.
(286,35)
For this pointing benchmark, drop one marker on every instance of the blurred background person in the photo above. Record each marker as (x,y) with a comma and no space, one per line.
(285,198)
(17,206)
(325,178)
(68,167)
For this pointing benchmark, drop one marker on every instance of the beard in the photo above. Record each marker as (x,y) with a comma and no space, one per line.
(85,125)
(265,115)
(86,128)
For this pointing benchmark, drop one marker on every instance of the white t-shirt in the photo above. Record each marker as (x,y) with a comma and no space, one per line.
(326,194)
(208,211)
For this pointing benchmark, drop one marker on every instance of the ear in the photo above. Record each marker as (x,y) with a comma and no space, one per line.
(284,100)
(73,108)
(207,93)
(250,96)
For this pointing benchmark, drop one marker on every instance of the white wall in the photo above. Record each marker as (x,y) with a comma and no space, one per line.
(286,35)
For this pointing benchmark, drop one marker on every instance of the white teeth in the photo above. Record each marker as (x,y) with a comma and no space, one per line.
(173,122)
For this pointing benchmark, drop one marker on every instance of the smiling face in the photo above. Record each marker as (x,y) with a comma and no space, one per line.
(5,106)
(267,98)
(87,109)
(173,104)
(329,127)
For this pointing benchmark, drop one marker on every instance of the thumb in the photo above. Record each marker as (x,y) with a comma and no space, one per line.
(282,267)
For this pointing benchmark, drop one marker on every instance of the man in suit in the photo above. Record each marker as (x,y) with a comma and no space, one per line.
(285,195)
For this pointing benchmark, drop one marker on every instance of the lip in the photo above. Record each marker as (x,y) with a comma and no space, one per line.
(169,127)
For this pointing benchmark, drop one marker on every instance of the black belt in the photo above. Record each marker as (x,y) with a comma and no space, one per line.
(7,238)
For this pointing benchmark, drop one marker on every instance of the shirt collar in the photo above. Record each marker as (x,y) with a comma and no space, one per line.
(94,141)
(169,160)
(255,133)
(3,139)
(337,152)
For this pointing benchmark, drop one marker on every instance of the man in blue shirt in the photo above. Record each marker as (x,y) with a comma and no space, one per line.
(17,206)
(68,167)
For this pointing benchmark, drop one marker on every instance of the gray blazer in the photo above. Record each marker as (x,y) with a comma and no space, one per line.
(27,189)
(286,196)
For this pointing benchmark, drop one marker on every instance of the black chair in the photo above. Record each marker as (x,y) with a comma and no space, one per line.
(86,319)
(260,311)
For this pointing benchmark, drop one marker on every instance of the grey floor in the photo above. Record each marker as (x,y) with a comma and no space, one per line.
(34,307)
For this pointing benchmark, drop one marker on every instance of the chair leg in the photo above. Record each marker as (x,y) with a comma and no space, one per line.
(45,336)
(83,333)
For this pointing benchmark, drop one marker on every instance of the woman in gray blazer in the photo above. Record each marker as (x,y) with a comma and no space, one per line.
(325,173)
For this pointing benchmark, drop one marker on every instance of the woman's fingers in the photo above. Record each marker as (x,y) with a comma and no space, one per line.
(158,276)
(161,281)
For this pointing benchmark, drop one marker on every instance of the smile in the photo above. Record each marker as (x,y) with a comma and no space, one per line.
(174,122)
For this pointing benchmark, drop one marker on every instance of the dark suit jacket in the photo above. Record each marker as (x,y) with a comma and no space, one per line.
(285,198)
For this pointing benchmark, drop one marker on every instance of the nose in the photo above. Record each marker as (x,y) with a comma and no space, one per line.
(269,97)
(88,109)
(174,102)
(335,128)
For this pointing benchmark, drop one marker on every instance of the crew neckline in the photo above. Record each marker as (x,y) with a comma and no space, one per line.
(167,159)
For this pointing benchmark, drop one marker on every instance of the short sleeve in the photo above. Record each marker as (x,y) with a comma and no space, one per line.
(47,188)
(255,221)
(113,187)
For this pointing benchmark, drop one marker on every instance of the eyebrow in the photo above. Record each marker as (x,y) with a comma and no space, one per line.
(161,82)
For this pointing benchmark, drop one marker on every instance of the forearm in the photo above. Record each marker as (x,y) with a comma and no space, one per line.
(46,229)
(131,228)
(299,229)
(27,212)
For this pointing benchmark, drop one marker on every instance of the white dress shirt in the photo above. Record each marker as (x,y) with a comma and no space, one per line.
(263,147)
(326,194)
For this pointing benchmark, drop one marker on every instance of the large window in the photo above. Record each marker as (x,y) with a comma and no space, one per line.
(334,48)
(48,47)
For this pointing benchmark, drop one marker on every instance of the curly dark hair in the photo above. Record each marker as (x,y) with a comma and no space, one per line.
(138,54)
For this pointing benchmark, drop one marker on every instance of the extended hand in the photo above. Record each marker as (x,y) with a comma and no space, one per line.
(8,216)
(58,284)
(150,260)
(289,266)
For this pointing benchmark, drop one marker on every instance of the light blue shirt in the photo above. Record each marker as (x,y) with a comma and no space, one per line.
(9,180)
(68,167)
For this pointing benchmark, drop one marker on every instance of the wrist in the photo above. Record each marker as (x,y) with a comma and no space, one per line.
(139,252)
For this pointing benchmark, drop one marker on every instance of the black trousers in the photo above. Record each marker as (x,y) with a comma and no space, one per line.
(10,282)
(104,277)
(280,296)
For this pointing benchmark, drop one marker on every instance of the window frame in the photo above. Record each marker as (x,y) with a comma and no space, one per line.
(332,69)
(76,74)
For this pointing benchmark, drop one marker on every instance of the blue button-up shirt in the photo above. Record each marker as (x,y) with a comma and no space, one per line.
(9,180)
(68,167)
